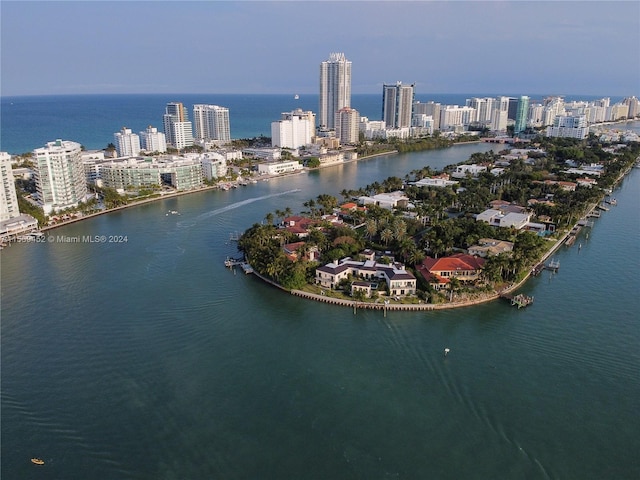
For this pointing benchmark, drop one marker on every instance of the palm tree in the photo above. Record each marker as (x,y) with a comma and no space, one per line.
(386,235)
(372,227)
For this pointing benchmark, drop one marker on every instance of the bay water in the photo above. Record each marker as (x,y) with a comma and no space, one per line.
(147,359)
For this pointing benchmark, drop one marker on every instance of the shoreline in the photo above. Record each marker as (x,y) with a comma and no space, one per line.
(355,304)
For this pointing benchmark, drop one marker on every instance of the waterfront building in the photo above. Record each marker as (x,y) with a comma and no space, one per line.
(617,111)
(483,109)
(397,105)
(178,129)
(569,126)
(127,143)
(399,281)
(634,106)
(147,172)
(521,115)
(214,165)
(335,89)
(431,109)
(454,117)
(8,197)
(439,271)
(60,178)
(266,153)
(347,125)
(211,122)
(294,129)
(153,141)
(278,168)
(499,120)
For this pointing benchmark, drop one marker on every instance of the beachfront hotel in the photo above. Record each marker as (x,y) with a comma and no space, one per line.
(335,89)
(60,177)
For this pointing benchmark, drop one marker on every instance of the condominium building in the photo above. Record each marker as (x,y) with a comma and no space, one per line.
(521,115)
(347,122)
(483,107)
(452,116)
(293,130)
(397,105)
(127,143)
(431,109)
(152,140)
(211,123)
(569,126)
(8,197)
(145,172)
(178,129)
(60,177)
(335,89)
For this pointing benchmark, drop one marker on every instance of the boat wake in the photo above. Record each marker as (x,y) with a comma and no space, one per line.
(233,206)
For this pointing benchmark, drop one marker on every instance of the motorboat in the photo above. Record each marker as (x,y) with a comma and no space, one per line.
(37,461)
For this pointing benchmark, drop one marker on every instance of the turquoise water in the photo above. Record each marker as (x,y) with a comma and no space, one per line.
(149,360)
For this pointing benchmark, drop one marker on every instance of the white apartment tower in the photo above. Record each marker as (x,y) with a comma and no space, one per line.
(127,143)
(60,178)
(335,89)
(397,105)
(8,197)
(569,127)
(347,125)
(153,141)
(293,130)
(211,123)
(177,127)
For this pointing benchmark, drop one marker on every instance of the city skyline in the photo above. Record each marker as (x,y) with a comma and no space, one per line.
(275,47)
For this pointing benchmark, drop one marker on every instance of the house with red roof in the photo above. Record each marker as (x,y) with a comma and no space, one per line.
(439,271)
(299,225)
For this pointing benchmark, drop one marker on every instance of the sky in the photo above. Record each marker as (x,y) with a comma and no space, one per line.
(506,47)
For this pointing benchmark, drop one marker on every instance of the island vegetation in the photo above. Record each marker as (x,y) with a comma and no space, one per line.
(438,221)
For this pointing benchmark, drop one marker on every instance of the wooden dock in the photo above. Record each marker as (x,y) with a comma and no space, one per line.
(521,300)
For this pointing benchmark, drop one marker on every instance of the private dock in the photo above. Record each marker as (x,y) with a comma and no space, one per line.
(520,300)
(232,262)
(553,265)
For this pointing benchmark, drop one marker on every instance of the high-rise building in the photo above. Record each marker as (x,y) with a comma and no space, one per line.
(347,125)
(177,127)
(431,109)
(569,126)
(293,130)
(521,115)
(127,143)
(634,106)
(397,105)
(8,197)
(153,141)
(60,178)
(335,89)
(211,122)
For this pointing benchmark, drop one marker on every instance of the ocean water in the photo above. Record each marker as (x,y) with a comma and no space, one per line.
(148,359)
(30,122)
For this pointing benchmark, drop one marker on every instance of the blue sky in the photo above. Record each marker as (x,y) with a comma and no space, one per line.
(574,47)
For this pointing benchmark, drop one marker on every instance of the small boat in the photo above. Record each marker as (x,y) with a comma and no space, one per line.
(37,461)
(296,96)
(611,201)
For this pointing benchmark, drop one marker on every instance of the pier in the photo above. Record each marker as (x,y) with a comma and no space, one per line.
(520,300)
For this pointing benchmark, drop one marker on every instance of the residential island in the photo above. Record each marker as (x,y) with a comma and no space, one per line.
(470,233)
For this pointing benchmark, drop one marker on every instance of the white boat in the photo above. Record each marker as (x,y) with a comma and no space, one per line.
(296,96)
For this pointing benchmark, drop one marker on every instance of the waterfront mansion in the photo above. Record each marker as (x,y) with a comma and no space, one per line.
(400,281)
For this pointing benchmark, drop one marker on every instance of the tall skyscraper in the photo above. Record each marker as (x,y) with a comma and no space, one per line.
(397,105)
(347,125)
(521,115)
(211,122)
(335,89)
(127,143)
(178,130)
(8,197)
(60,178)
